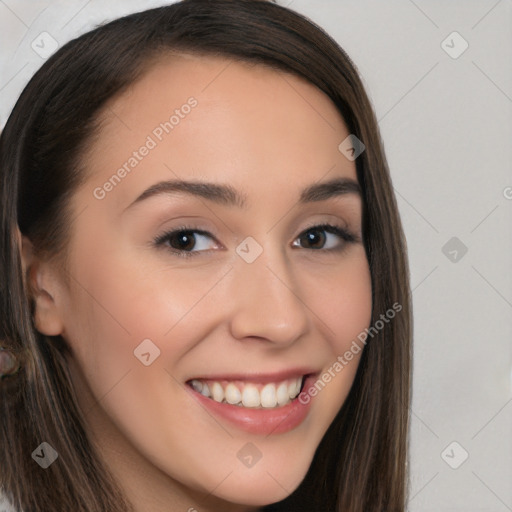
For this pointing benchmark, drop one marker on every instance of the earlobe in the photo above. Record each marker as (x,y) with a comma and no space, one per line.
(41,285)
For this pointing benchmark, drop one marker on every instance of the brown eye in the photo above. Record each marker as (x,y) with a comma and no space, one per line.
(314,237)
(182,240)
(186,241)
(317,237)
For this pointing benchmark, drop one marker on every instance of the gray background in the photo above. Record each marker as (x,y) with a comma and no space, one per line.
(447,127)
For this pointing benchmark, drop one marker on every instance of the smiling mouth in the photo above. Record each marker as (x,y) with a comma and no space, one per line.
(251,395)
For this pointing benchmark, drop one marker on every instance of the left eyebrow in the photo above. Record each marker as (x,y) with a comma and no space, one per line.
(328,189)
(227,195)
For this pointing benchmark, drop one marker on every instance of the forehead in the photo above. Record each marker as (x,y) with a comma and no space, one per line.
(219,120)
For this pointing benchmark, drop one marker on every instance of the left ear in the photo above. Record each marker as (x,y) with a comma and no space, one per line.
(42,285)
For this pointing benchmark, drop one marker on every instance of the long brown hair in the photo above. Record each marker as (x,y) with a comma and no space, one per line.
(361,463)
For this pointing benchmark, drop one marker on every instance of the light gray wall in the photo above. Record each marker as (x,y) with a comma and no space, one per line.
(447,126)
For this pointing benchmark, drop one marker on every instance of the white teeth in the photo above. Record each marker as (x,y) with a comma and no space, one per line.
(250,396)
(197,385)
(282,394)
(206,390)
(294,388)
(268,396)
(233,395)
(217,392)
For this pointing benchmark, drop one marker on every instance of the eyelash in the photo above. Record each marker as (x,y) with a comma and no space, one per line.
(331,228)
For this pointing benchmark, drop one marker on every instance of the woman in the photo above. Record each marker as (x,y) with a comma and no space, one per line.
(205,295)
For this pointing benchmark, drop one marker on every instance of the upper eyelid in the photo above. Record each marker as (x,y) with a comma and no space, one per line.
(207,232)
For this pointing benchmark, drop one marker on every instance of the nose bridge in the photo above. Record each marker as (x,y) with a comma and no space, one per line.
(267,303)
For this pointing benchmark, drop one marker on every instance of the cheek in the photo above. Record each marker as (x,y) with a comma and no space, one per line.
(344,301)
(343,306)
(118,303)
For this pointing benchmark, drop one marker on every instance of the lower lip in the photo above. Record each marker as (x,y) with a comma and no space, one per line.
(276,420)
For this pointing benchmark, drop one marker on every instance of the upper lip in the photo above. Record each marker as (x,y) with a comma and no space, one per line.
(259,377)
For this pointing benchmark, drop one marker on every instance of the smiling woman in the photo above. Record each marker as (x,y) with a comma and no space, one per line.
(224,325)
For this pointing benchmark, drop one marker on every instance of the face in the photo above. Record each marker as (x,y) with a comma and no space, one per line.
(239,287)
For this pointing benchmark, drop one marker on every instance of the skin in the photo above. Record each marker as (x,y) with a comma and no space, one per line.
(269,135)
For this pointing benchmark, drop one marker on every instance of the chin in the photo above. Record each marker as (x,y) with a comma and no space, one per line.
(263,486)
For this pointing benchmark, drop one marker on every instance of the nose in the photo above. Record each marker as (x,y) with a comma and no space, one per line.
(266,299)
